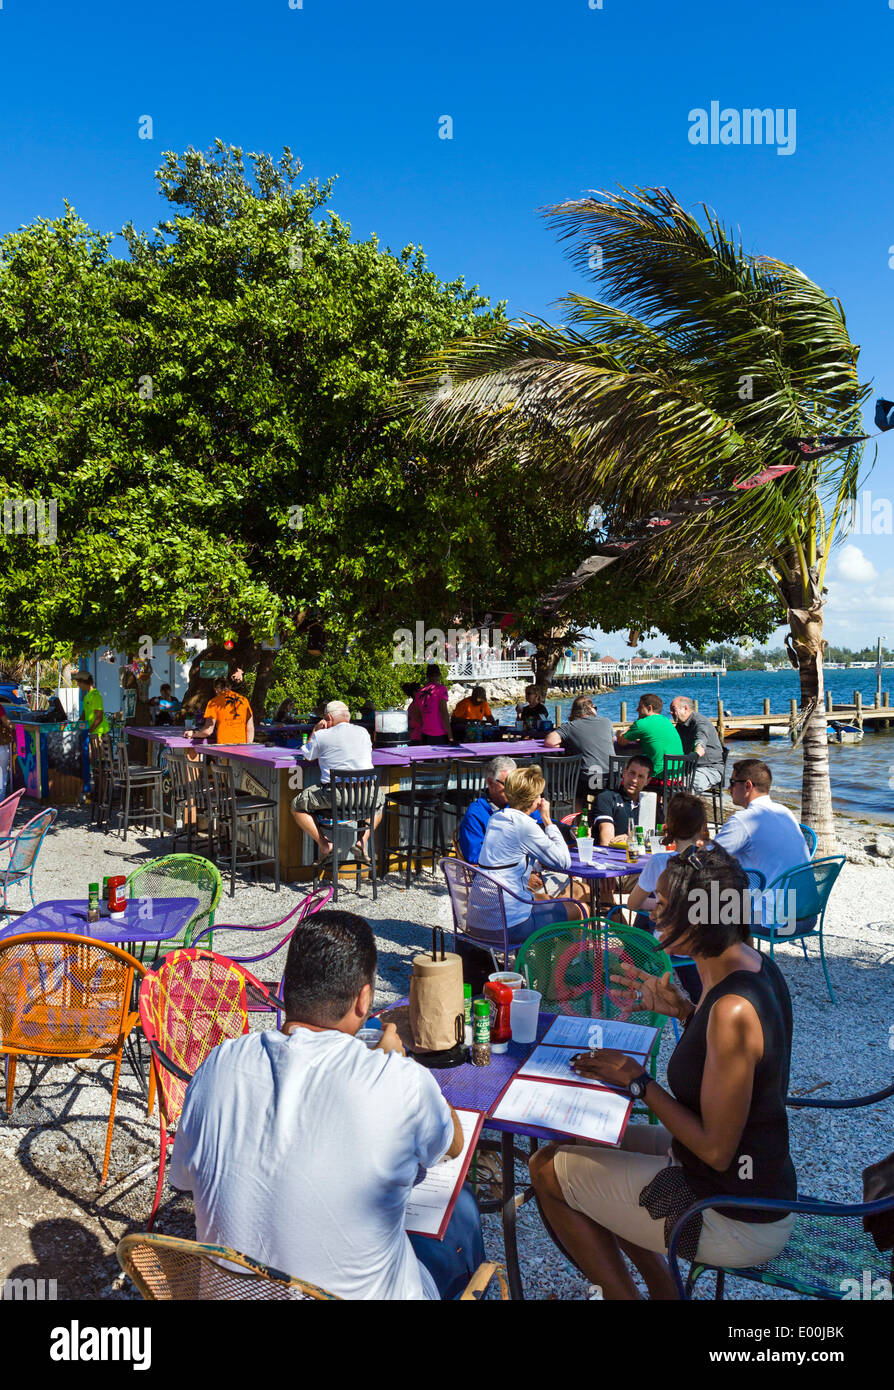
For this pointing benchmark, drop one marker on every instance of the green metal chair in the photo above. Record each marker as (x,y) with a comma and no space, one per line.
(181,876)
(571,965)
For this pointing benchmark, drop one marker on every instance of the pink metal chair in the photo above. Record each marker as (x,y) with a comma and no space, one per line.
(8,810)
(23,848)
(479,908)
(309,905)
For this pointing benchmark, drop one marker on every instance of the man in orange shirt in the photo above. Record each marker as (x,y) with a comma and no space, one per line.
(475,707)
(228,717)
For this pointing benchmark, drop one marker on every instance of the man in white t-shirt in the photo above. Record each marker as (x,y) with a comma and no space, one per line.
(763,834)
(340,746)
(301,1147)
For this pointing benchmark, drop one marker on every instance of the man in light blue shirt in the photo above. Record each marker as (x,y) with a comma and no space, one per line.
(763,834)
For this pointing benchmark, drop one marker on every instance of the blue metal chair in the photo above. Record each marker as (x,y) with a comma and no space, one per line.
(828,1255)
(23,848)
(810,836)
(811,884)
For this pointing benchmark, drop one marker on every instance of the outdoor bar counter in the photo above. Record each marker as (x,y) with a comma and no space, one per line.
(282,772)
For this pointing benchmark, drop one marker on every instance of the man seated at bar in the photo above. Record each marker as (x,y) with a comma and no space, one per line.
(301,1147)
(589,734)
(724,1101)
(515,846)
(652,734)
(336,744)
(228,717)
(475,707)
(164,706)
(614,810)
(763,834)
(473,826)
(698,735)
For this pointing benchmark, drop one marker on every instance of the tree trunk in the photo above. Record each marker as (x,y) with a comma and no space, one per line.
(805,648)
(550,644)
(263,681)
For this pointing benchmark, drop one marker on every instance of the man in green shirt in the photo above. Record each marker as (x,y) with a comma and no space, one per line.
(92,706)
(652,734)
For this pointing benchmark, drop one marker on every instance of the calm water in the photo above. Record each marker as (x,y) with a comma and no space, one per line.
(860,772)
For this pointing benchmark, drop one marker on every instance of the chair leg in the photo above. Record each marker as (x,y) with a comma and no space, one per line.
(150,1100)
(719,1286)
(11,1061)
(115,1079)
(826,969)
(159,1186)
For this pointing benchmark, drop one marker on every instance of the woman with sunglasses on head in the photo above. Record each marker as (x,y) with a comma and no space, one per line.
(723,1127)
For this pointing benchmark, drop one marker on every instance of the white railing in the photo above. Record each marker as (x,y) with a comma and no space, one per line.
(488,668)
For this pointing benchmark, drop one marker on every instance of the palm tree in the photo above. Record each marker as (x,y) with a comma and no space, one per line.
(706,362)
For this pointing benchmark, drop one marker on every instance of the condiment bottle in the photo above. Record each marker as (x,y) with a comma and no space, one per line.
(93,902)
(499,996)
(631,842)
(480,1056)
(467,1014)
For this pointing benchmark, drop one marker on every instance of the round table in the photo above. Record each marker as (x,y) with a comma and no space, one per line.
(607,863)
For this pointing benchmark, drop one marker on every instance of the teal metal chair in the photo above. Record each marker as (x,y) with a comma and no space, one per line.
(181,876)
(810,837)
(811,885)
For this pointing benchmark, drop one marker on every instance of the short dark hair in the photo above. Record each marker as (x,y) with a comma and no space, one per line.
(433,672)
(685,816)
(654,702)
(692,873)
(754,771)
(582,708)
(332,955)
(479,690)
(641,758)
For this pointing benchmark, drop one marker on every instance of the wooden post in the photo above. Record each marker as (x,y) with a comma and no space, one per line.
(829,706)
(623,711)
(695,705)
(856,698)
(556,720)
(858,701)
(793,719)
(720,730)
(766,706)
(886,702)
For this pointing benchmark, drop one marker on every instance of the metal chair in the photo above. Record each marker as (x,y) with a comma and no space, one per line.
(477,901)
(354,796)
(65,997)
(811,885)
(23,849)
(185,774)
(677,775)
(255,815)
(309,905)
(181,876)
(8,810)
(190,1004)
(829,1247)
(422,807)
(133,777)
(716,793)
(810,838)
(470,784)
(562,775)
(616,765)
(165,1267)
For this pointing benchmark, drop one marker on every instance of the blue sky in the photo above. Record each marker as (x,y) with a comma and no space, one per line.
(547,100)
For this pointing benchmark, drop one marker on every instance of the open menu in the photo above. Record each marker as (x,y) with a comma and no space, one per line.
(554,1064)
(579,1111)
(433,1199)
(583,1033)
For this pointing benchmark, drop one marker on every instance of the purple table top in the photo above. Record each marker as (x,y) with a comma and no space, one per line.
(168,917)
(607,863)
(522,746)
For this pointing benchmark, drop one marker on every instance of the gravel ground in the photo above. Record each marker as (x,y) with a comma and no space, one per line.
(56,1223)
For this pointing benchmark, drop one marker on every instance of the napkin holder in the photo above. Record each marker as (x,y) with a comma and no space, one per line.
(437,1006)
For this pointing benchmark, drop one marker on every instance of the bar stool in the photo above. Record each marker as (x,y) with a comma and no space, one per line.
(421,806)
(562,776)
(354,796)
(254,814)
(135,777)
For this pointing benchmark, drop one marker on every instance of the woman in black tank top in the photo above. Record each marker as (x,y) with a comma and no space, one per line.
(724,1117)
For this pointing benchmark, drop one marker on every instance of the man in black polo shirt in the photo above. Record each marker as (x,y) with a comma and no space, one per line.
(698,735)
(613,810)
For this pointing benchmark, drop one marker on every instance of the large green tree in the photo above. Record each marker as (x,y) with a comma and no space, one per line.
(707,360)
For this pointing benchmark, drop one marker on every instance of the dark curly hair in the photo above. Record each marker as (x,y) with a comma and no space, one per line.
(699,882)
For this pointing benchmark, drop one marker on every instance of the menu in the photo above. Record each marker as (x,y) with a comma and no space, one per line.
(554,1064)
(433,1199)
(580,1111)
(580,1033)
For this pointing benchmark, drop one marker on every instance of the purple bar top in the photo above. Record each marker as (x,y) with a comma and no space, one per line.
(607,863)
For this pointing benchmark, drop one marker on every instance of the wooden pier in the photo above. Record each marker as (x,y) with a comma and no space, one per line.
(878,715)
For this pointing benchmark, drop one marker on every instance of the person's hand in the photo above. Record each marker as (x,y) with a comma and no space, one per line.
(544,811)
(606,1064)
(323,724)
(659,995)
(390,1040)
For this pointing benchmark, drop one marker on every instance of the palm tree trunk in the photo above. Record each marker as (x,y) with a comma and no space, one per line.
(805,647)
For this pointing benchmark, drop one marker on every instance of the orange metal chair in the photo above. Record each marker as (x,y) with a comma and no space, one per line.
(193,1002)
(65,997)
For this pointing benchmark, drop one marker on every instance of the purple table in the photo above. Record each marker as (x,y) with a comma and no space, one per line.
(607,863)
(523,747)
(168,917)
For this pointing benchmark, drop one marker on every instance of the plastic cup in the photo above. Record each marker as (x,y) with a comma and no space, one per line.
(370,1035)
(508,977)
(585,849)
(523,1014)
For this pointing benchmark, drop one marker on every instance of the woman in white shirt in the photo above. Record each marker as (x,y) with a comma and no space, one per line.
(515,846)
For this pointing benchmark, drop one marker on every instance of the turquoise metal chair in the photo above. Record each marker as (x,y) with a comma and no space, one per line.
(810,837)
(23,849)
(811,885)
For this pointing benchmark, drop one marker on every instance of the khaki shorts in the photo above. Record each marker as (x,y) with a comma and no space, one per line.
(605,1185)
(320,799)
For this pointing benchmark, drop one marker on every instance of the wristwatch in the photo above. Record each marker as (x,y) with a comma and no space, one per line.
(637,1087)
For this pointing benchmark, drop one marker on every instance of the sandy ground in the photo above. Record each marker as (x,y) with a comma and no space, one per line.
(57,1223)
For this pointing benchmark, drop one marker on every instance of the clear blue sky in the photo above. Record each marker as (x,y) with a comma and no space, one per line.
(548,99)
